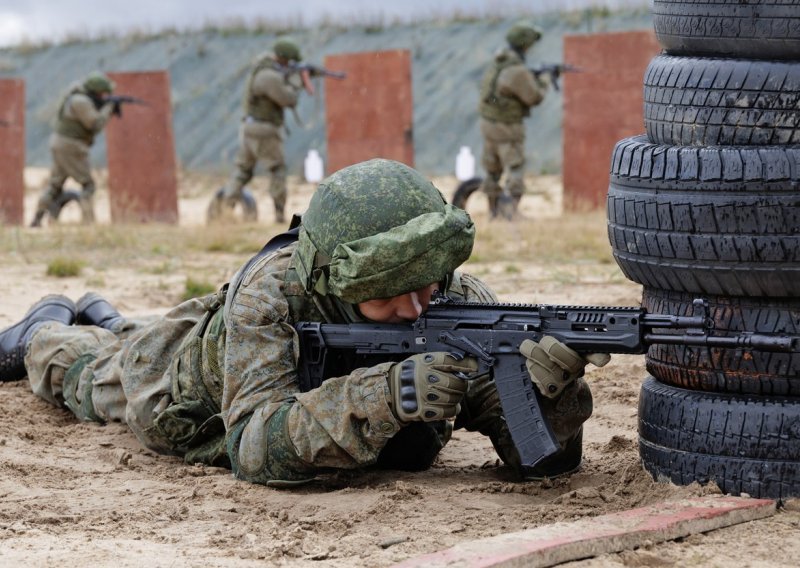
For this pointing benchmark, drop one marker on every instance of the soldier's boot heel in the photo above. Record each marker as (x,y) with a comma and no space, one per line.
(37,219)
(14,340)
(93,309)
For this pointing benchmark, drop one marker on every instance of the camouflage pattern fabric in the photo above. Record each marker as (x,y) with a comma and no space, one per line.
(503,154)
(260,141)
(377,230)
(131,378)
(228,395)
(367,199)
(79,118)
(509,90)
(522,35)
(267,93)
(408,257)
(97,82)
(77,124)
(287,49)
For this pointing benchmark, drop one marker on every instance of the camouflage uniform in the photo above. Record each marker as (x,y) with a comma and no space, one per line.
(508,91)
(215,380)
(80,118)
(267,93)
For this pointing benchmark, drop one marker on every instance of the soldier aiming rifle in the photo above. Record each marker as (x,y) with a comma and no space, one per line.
(82,115)
(273,85)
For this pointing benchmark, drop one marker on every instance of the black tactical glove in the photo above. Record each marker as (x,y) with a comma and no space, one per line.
(425,387)
(552,365)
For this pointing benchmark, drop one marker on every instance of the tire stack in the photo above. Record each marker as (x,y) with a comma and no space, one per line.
(707,204)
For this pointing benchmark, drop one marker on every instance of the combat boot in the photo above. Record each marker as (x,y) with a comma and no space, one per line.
(14,340)
(93,309)
(492,206)
(87,210)
(37,219)
(280,205)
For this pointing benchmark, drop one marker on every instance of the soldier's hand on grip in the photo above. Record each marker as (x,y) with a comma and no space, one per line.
(425,387)
(552,365)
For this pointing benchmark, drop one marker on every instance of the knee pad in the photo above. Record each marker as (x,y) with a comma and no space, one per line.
(265,454)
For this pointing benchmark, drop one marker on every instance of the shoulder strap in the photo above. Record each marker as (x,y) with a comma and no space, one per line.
(275,243)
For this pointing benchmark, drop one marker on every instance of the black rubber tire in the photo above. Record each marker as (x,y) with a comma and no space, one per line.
(246,203)
(740,371)
(761,29)
(746,444)
(464,190)
(758,427)
(716,220)
(705,102)
(65,197)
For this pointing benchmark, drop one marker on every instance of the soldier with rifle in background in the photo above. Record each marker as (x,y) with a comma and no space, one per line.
(508,91)
(273,85)
(82,114)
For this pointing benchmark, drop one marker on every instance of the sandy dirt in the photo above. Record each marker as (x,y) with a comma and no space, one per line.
(74,494)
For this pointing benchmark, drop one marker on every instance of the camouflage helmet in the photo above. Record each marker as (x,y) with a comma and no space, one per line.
(379,229)
(523,35)
(287,49)
(98,83)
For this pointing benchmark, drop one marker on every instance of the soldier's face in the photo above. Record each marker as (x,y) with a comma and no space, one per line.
(397,309)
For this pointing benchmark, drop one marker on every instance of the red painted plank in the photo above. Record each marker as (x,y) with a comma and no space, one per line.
(602,105)
(562,542)
(142,177)
(12,151)
(370,113)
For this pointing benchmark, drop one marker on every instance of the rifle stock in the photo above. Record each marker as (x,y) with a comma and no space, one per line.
(492,333)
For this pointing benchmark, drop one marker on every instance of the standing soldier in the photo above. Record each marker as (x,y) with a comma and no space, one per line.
(508,91)
(82,114)
(271,87)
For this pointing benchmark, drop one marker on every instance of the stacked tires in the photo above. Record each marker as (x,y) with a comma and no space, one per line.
(707,204)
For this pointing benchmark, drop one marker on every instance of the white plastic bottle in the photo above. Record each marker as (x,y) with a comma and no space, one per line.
(465,164)
(314,169)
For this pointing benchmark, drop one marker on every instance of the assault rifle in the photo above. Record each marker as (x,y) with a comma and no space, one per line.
(312,70)
(492,333)
(119,100)
(553,71)
(306,71)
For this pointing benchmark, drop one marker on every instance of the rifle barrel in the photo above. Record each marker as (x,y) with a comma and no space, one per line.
(745,341)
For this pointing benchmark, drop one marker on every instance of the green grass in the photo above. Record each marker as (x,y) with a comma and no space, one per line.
(197,288)
(64,267)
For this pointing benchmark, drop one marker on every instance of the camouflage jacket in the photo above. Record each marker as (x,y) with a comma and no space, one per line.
(345,423)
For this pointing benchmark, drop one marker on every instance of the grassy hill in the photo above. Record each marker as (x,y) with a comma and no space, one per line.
(208,69)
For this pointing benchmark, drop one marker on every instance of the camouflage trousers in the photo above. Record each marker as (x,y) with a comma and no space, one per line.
(503,154)
(104,376)
(70,160)
(149,376)
(260,142)
(152,377)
